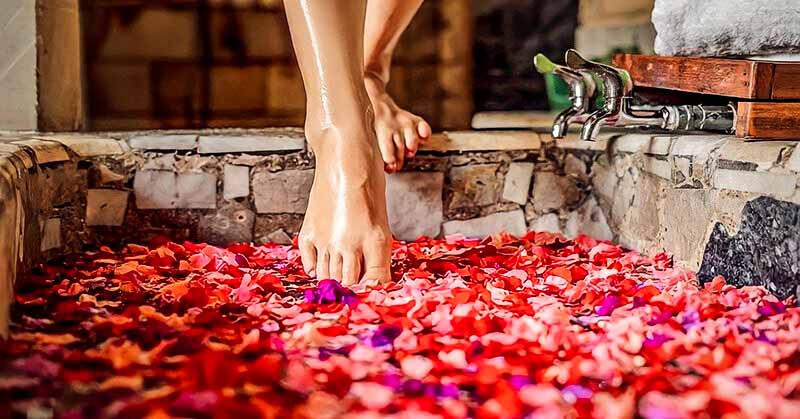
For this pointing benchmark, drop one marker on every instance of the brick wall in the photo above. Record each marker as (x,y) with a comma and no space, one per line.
(163,64)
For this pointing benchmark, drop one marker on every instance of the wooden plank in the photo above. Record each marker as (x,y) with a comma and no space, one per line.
(768,121)
(742,79)
(786,81)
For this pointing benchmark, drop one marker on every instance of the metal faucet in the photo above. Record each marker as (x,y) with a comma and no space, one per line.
(582,90)
(618,109)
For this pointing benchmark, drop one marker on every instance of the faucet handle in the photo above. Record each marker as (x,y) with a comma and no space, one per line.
(581,86)
(616,81)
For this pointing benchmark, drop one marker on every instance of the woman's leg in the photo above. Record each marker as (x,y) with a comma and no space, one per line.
(399,132)
(345,234)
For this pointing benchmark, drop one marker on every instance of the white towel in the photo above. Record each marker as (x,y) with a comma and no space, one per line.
(726,27)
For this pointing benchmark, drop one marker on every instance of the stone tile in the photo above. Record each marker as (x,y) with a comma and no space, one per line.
(794,160)
(699,146)
(155,189)
(107,175)
(686,222)
(282,192)
(573,142)
(590,220)
(86,145)
(267,224)
(196,190)
(279,236)
(157,141)
(623,198)
(658,167)
(51,234)
(17,152)
(574,166)
(414,204)
(517,185)
(474,185)
(61,184)
(236,181)
(548,222)
(776,184)
(511,221)
(641,220)
(196,163)
(45,151)
(488,140)
(106,207)
(160,162)
(230,224)
(275,140)
(158,189)
(643,143)
(764,154)
(553,192)
(604,181)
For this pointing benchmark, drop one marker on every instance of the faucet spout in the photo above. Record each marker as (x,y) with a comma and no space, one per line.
(591,127)
(561,122)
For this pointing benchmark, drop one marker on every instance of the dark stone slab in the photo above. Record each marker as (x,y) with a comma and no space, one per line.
(765,251)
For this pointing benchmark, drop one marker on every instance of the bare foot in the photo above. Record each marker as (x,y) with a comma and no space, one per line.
(345,233)
(399,132)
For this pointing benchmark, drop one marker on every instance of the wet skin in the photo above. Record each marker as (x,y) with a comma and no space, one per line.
(350,124)
(399,132)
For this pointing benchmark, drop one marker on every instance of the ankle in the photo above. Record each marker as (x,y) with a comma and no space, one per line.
(375,80)
(342,113)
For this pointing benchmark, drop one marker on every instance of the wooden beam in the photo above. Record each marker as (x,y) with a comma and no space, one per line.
(768,120)
(743,79)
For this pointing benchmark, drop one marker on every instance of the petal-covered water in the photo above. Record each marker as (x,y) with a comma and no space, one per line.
(538,327)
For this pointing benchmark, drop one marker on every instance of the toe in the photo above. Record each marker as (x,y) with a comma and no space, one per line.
(400,150)
(411,139)
(351,268)
(424,130)
(336,266)
(377,258)
(323,264)
(308,255)
(387,148)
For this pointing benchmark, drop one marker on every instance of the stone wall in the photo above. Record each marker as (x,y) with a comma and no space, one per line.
(718,204)
(61,193)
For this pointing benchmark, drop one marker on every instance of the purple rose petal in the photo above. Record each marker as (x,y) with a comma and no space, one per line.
(519,381)
(771,308)
(609,304)
(661,318)
(577,392)
(330,291)
(385,335)
(656,341)
(449,391)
